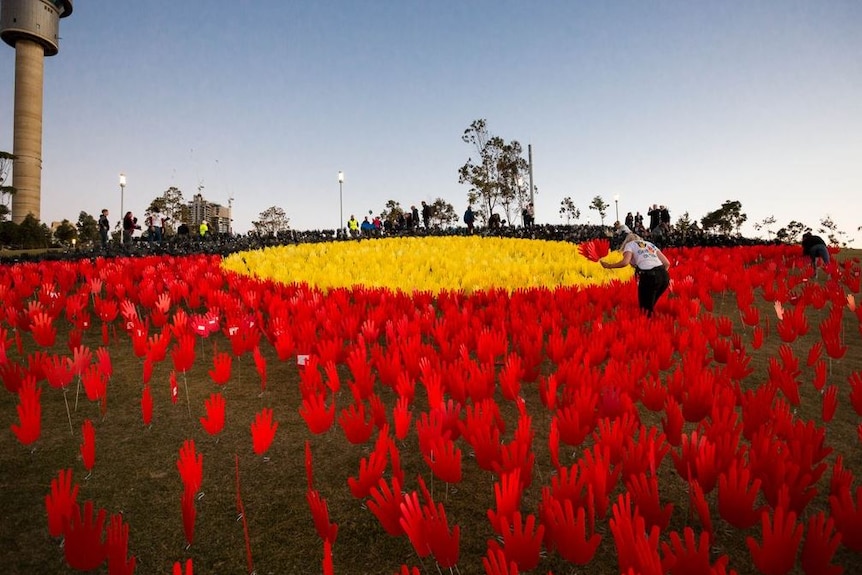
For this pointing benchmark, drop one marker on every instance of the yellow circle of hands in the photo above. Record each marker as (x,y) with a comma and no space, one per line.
(431,264)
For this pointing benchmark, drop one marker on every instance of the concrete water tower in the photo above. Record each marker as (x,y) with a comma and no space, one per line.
(32,27)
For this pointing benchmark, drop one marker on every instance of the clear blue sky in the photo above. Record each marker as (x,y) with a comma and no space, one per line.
(681,103)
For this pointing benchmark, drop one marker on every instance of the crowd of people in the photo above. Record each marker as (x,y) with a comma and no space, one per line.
(159,235)
(659,222)
(403,221)
(146,239)
(155,230)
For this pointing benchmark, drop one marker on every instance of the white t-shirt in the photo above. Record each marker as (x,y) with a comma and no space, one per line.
(644,254)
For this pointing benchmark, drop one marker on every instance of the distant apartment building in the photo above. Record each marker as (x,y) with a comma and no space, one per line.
(217,216)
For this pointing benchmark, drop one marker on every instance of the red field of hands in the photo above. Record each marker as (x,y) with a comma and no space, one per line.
(450,362)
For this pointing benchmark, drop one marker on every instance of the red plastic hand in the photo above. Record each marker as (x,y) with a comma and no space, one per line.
(103,360)
(260,366)
(60,502)
(737,493)
(568,531)
(84,548)
(522,541)
(128,311)
(191,466)
(444,459)
(320,515)
(689,557)
(644,491)
(220,373)
(385,504)
(88,445)
(495,563)
(189,515)
(414,524)
(183,353)
(848,516)
(213,423)
(821,542)
(95,383)
(263,431)
(58,371)
(354,424)
(42,329)
(118,548)
(317,416)
(507,494)
(81,358)
(781,537)
(29,412)
(370,471)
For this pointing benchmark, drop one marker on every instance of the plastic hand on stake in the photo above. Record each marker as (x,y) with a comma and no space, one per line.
(781,537)
(213,423)
(60,503)
(118,547)
(84,548)
(220,373)
(821,542)
(263,431)
(88,446)
(29,412)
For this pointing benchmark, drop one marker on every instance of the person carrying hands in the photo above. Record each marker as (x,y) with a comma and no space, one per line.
(651,268)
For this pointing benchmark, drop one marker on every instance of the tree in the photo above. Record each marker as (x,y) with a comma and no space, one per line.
(391,211)
(791,232)
(33,234)
(568,210)
(172,206)
(685,225)
(10,234)
(724,220)
(835,236)
(66,232)
(600,206)
(499,176)
(272,221)
(6,192)
(88,228)
(442,214)
(767,223)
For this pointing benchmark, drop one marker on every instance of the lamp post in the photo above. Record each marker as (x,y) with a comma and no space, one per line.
(340,199)
(122,194)
(617,205)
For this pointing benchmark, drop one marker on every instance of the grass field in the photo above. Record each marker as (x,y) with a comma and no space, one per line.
(612,348)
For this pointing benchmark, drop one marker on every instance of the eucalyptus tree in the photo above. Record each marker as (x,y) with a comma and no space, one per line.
(271,221)
(600,206)
(569,210)
(498,177)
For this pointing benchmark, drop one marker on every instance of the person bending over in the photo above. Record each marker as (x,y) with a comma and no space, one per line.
(814,247)
(651,268)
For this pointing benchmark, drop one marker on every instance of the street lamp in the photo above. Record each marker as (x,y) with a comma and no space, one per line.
(617,205)
(122,193)
(340,199)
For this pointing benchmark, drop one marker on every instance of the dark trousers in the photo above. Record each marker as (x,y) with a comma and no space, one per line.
(819,251)
(651,284)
